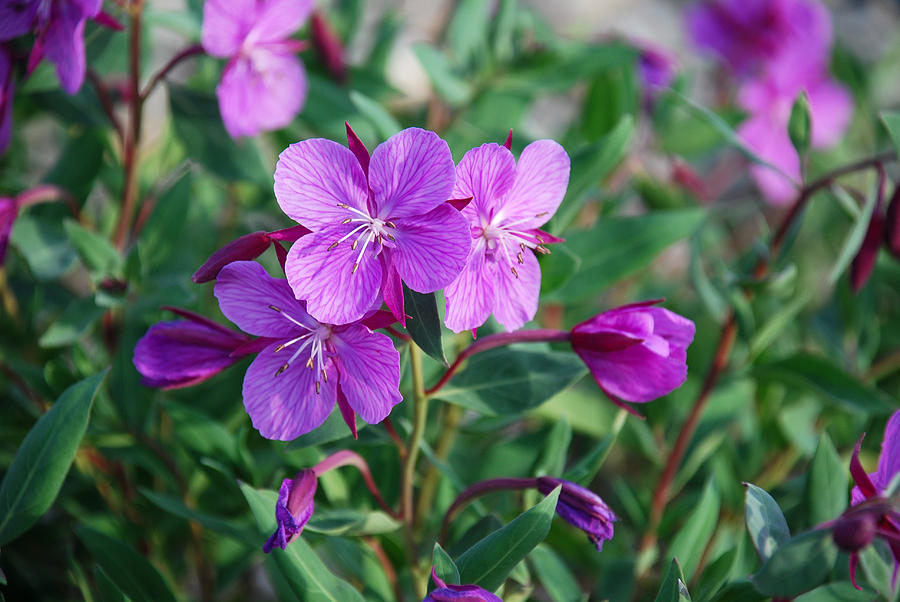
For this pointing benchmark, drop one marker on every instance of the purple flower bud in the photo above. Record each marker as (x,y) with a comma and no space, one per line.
(329,47)
(892,225)
(582,508)
(864,262)
(247,247)
(9,210)
(294,508)
(656,67)
(458,593)
(853,533)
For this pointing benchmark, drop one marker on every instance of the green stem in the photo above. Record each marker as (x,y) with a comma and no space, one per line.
(420,416)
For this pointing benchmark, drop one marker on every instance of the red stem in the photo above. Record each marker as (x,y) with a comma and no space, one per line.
(129,163)
(107,103)
(348,458)
(479,489)
(173,62)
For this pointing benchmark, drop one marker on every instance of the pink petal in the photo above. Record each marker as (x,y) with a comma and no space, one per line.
(677,330)
(635,374)
(64,45)
(285,406)
(334,293)
(486,174)
(245,291)
(889,461)
(346,411)
(769,140)
(431,250)
(470,298)
(313,176)
(516,298)
(864,486)
(225,24)
(831,107)
(392,291)
(542,176)
(183,352)
(411,173)
(278,19)
(369,369)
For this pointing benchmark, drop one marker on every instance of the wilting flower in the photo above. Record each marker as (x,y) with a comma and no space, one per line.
(182,353)
(308,366)
(9,211)
(293,509)
(636,352)
(374,223)
(263,86)
(509,204)
(582,508)
(458,593)
(247,247)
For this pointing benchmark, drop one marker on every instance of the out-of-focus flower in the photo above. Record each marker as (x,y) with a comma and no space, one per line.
(329,47)
(9,211)
(308,366)
(636,352)
(293,509)
(182,353)
(582,508)
(375,223)
(656,68)
(264,84)
(7,88)
(510,202)
(247,247)
(892,224)
(458,593)
(864,261)
(769,140)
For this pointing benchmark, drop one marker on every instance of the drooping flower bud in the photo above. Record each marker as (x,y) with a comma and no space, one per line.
(294,508)
(864,262)
(245,248)
(582,508)
(853,533)
(892,225)
(458,593)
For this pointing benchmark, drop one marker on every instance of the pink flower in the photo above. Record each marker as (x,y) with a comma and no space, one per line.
(509,204)
(264,83)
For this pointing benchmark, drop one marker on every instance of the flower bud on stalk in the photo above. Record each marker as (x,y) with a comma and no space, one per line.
(329,46)
(444,592)
(892,225)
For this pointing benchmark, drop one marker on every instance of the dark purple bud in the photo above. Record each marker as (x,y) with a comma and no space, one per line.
(458,593)
(293,509)
(247,247)
(892,225)
(358,149)
(508,142)
(864,262)
(853,533)
(582,508)
(329,47)
(9,211)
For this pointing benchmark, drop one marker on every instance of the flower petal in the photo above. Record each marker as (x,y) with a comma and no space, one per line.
(889,460)
(542,176)
(225,24)
(278,19)
(770,141)
(64,45)
(313,176)
(411,173)
(179,352)
(7,88)
(470,298)
(325,278)
(17,18)
(246,293)
(285,406)
(677,330)
(369,369)
(830,107)
(635,374)
(516,298)
(486,174)
(431,250)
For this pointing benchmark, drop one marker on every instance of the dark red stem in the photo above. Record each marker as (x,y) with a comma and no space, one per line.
(479,489)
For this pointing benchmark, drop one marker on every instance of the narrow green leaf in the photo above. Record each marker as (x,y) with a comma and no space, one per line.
(128,570)
(97,253)
(351,522)
(891,120)
(381,119)
(842,591)
(178,508)
(693,537)
(444,567)
(42,461)
(797,566)
(449,86)
(467,32)
(765,522)
(74,321)
(673,588)
(50,253)
(854,238)
(489,561)
(554,575)
(332,429)
(558,268)
(424,323)
(738,591)
(556,447)
(799,124)
(583,471)
(826,487)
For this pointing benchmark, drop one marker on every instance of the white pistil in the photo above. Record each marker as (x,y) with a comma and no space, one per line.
(314,340)
(371,229)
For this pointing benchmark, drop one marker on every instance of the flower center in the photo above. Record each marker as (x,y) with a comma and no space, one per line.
(314,340)
(499,236)
(368,229)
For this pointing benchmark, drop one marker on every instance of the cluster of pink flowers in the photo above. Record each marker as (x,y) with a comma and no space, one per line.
(776,49)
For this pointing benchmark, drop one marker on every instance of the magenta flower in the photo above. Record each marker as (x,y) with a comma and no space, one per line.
(374,224)
(308,366)
(636,352)
(458,593)
(247,247)
(7,88)
(655,66)
(876,483)
(263,86)
(293,509)
(509,204)
(582,508)
(9,211)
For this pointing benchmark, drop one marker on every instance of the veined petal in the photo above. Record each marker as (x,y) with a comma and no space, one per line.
(470,298)
(325,276)
(278,19)
(636,373)
(486,174)
(369,368)
(431,250)
(392,289)
(225,25)
(542,176)
(516,298)
(889,461)
(245,293)
(411,173)
(64,45)
(285,406)
(178,352)
(770,140)
(313,176)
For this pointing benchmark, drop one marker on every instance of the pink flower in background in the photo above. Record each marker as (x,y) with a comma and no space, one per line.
(263,86)
(655,66)
(374,223)
(636,352)
(510,202)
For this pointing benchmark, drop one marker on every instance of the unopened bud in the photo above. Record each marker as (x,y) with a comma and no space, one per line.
(329,47)
(853,533)
(246,248)
(864,262)
(892,225)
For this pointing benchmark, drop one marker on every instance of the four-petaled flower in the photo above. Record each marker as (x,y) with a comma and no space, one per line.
(509,203)
(292,385)
(374,223)
(293,509)
(263,86)
(582,508)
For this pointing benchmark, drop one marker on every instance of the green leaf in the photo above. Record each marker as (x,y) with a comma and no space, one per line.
(693,537)
(558,268)
(673,588)
(79,162)
(797,566)
(178,508)
(765,522)
(128,570)
(467,34)
(554,575)
(489,561)
(72,323)
(830,382)
(612,95)
(49,252)
(41,463)
(843,591)
(877,563)
(201,433)
(444,567)
(628,244)
(799,125)
(738,591)
(449,86)
(424,323)
(826,488)
(556,447)
(381,119)
(307,576)
(351,522)
(509,381)
(854,238)
(96,251)
(163,232)
(891,120)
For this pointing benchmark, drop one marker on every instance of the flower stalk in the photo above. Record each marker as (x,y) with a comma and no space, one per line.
(420,417)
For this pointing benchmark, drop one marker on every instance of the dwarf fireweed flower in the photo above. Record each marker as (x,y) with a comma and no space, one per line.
(444,592)
(510,202)
(264,85)
(308,366)
(375,222)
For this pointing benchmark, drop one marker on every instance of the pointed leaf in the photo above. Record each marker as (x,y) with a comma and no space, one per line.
(826,488)
(673,588)
(444,567)
(765,522)
(424,323)
(693,537)
(554,575)
(797,566)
